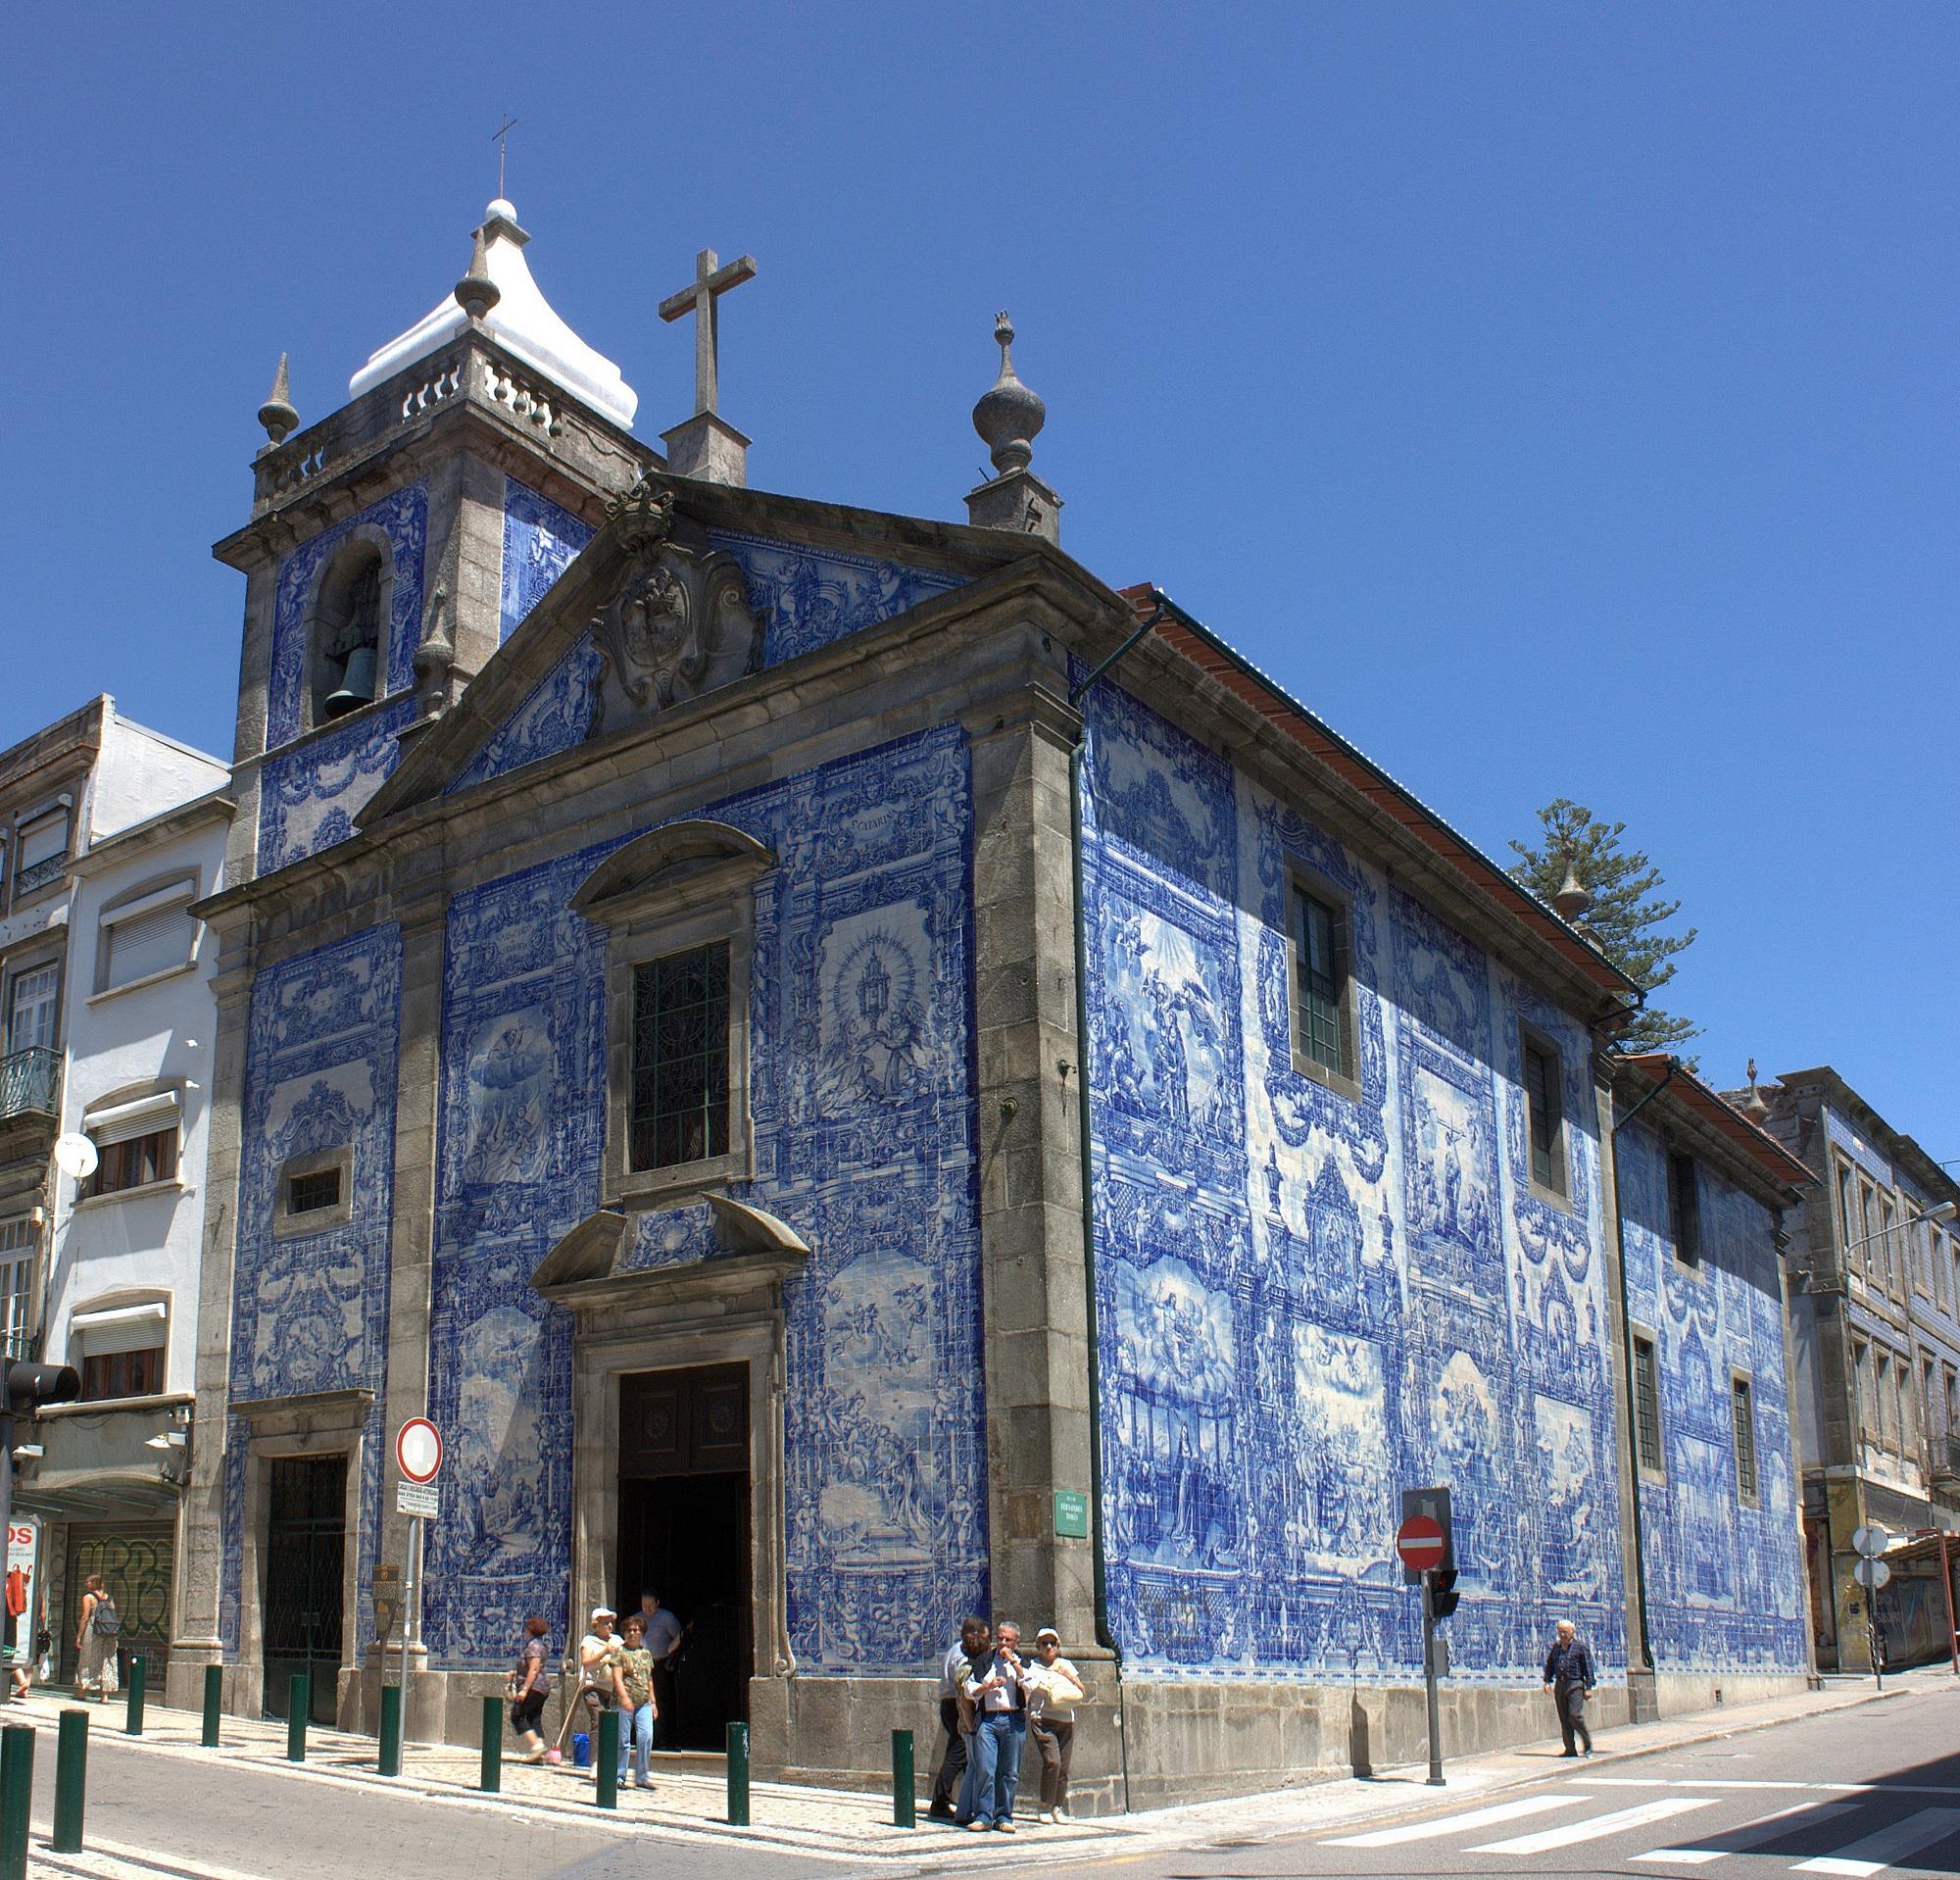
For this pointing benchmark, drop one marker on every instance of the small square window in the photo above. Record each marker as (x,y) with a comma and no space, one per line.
(309,1194)
(1683,1208)
(680,1058)
(1544,1114)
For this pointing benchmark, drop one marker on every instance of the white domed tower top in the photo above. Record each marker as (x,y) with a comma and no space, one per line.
(498,295)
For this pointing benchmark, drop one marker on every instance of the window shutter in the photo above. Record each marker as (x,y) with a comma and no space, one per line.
(123,1121)
(153,942)
(44,840)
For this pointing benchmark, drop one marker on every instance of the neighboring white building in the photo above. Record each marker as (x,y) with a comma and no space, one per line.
(115,1290)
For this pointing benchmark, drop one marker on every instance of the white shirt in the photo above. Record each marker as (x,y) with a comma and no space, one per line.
(1004,1696)
(1048,1696)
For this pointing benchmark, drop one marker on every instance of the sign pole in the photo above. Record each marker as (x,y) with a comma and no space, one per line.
(1429,1678)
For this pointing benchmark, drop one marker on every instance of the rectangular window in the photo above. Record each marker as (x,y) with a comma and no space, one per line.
(1646,1405)
(147,937)
(135,1161)
(17,1274)
(1744,1415)
(1320,949)
(43,853)
(680,1057)
(1544,1115)
(1848,1207)
(1887,1403)
(1861,1386)
(1683,1208)
(122,1374)
(32,1006)
(309,1194)
(1889,1242)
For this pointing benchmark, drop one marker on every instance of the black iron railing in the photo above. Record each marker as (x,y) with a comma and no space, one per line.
(30,1082)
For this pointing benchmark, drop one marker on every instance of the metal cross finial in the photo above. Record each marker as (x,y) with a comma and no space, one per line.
(501,137)
(711,281)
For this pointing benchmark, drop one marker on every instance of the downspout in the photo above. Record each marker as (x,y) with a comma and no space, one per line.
(1627,1340)
(1097,1558)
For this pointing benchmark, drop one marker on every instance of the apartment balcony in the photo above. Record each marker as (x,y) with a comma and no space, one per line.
(29,1101)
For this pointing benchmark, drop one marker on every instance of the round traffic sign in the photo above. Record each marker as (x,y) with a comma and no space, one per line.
(1871,1541)
(1419,1542)
(1871,1574)
(419,1450)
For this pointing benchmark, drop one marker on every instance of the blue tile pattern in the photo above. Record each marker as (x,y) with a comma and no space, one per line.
(1306,1302)
(309,1312)
(810,597)
(860,1099)
(310,795)
(400,519)
(554,715)
(1724,1580)
(540,541)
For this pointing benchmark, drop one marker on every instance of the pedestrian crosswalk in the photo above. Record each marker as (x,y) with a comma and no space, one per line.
(1848,1838)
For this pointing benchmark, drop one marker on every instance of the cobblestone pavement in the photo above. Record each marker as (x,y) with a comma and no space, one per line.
(243,1812)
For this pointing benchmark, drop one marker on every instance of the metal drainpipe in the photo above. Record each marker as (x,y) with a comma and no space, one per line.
(1104,1638)
(1627,1340)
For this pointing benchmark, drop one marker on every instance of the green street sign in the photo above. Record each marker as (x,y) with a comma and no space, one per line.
(1071,1515)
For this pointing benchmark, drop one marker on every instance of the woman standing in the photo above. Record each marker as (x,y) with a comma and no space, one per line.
(1054,1688)
(95,1640)
(637,1709)
(530,1685)
(1568,1676)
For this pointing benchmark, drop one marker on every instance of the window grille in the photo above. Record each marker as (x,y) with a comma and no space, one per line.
(1745,1438)
(680,1057)
(1646,1405)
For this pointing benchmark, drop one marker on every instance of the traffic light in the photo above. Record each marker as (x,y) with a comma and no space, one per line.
(1442,1593)
(30,1386)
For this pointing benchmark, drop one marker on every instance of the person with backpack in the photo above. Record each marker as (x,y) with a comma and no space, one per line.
(95,1640)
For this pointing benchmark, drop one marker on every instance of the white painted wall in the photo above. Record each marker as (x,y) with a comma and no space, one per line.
(139,772)
(163,1031)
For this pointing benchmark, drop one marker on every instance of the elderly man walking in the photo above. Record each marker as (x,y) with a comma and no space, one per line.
(1568,1676)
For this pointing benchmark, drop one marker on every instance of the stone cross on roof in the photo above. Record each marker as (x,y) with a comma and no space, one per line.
(711,281)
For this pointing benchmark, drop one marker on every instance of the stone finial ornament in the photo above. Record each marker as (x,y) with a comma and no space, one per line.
(642,517)
(476,293)
(1009,416)
(1572,899)
(1753,1104)
(276,413)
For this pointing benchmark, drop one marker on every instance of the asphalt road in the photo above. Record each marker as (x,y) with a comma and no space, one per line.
(1870,1791)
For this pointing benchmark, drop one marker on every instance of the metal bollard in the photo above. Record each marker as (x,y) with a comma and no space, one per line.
(738,1775)
(391,1729)
(214,1698)
(17,1799)
(140,1678)
(606,1754)
(71,1780)
(905,1782)
(299,1700)
(490,1776)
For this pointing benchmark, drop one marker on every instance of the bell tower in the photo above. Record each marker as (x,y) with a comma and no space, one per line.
(396,543)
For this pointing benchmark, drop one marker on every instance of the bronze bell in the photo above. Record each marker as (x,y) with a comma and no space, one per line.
(357,685)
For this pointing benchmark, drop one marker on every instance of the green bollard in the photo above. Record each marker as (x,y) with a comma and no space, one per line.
(904,1783)
(738,1775)
(391,1729)
(140,1678)
(70,1779)
(17,1799)
(214,1697)
(299,1700)
(606,1756)
(491,1777)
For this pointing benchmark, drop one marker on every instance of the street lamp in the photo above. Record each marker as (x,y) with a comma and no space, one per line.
(1940,1211)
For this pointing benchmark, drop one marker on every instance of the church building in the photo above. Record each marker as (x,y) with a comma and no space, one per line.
(860,1074)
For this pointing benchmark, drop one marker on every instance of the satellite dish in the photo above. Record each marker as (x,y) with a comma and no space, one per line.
(75,1156)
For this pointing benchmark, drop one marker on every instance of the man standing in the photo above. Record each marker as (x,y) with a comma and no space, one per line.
(1568,1676)
(664,1636)
(974,1635)
(993,1682)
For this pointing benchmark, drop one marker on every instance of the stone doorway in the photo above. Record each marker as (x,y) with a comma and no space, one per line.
(684,1531)
(305,1560)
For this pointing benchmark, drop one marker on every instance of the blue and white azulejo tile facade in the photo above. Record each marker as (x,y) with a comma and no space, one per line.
(540,542)
(860,1080)
(310,794)
(310,1311)
(1308,1301)
(1724,1573)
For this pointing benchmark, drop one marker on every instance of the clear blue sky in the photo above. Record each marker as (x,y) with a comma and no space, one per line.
(1560,399)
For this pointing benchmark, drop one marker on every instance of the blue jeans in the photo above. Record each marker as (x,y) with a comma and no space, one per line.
(994,1766)
(636,1735)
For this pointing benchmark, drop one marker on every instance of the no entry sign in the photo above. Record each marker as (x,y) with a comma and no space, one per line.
(419,1450)
(1419,1543)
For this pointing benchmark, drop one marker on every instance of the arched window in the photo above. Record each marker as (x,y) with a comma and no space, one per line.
(351,607)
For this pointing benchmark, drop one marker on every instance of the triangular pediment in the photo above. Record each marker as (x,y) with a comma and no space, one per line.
(686,588)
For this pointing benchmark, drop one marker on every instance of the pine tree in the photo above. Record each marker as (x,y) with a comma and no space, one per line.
(1627,914)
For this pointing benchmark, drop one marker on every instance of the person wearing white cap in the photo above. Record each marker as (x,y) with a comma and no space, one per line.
(1054,1688)
(599,1684)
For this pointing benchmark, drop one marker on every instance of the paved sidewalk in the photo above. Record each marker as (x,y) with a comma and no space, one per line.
(687,1807)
